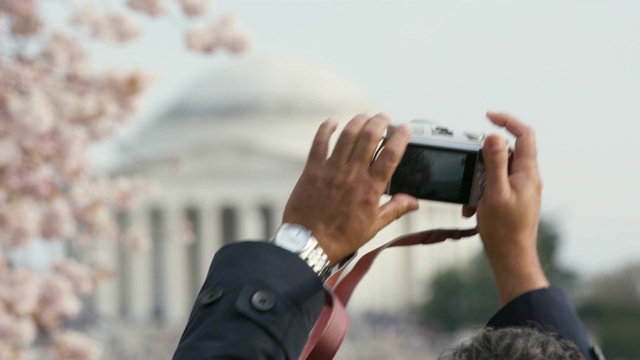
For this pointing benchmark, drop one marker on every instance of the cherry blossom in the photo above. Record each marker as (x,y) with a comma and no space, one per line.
(186,232)
(100,267)
(126,189)
(25,19)
(53,104)
(203,39)
(116,27)
(56,300)
(72,345)
(233,38)
(20,219)
(20,291)
(9,151)
(20,330)
(224,34)
(194,8)
(79,275)
(57,220)
(138,239)
(150,7)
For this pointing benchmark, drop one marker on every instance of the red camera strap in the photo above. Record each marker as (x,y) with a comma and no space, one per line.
(332,325)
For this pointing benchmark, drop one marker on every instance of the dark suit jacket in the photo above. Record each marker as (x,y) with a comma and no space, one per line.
(260,302)
(548,310)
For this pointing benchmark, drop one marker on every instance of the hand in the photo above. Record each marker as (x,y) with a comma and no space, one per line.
(338,198)
(509,210)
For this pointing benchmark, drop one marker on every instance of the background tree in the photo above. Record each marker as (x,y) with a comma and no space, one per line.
(467,296)
(610,307)
(53,104)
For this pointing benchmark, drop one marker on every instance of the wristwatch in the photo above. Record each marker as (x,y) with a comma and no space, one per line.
(300,241)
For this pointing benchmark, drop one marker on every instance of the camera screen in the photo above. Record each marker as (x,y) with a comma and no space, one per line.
(434,174)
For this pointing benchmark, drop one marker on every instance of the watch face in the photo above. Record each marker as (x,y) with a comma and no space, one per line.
(292,237)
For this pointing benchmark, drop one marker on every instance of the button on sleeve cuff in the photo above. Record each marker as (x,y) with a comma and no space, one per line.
(258,302)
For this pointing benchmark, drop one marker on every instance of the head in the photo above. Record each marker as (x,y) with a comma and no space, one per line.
(514,344)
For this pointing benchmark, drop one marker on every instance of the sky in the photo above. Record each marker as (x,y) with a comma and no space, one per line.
(570,69)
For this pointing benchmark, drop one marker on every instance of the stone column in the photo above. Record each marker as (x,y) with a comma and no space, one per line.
(177,295)
(211,237)
(250,220)
(277,210)
(107,293)
(140,278)
(123,271)
(193,215)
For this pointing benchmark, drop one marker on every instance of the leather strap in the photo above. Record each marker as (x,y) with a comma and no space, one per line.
(332,325)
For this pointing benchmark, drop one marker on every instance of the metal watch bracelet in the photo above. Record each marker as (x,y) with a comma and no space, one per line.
(317,260)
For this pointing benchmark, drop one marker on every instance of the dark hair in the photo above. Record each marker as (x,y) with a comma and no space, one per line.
(521,343)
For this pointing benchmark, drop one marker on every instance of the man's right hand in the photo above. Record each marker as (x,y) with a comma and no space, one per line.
(509,210)
(338,198)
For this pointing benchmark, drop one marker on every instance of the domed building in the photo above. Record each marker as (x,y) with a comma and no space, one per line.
(227,155)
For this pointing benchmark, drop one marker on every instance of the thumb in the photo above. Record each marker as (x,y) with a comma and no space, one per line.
(398,206)
(496,162)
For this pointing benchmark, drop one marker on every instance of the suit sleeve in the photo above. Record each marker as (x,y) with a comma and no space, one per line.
(258,302)
(548,310)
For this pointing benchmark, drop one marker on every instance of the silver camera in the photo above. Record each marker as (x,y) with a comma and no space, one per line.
(440,164)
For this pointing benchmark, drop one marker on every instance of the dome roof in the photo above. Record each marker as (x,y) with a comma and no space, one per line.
(270,102)
(270,84)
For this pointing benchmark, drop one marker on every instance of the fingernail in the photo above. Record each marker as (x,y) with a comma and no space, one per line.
(332,120)
(495,146)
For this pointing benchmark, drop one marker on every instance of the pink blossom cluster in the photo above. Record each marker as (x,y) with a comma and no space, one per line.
(9,352)
(79,275)
(53,104)
(17,329)
(155,8)
(56,300)
(51,108)
(72,345)
(23,15)
(138,239)
(186,232)
(152,8)
(224,34)
(49,295)
(107,26)
(31,300)
(195,8)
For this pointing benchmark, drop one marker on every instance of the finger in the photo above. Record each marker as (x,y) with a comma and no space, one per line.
(391,154)
(398,206)
(496,162)
(320,147)
(525,136)
(468,211)
(370,136)
(348,138)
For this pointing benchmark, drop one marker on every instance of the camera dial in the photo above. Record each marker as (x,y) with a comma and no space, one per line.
(475,136)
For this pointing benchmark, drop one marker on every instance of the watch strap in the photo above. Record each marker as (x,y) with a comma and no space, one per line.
(312,254)
(317,260)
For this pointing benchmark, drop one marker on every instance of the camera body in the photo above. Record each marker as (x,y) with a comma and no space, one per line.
(440,164)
